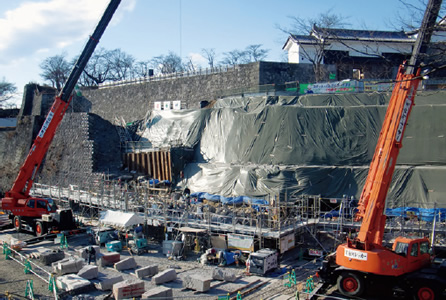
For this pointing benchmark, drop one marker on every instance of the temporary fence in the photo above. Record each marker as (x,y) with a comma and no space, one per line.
(30,267)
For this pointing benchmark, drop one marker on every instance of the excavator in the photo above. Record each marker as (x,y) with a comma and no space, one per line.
(407,267)
(40,215)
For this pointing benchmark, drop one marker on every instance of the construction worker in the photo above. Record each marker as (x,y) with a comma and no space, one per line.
(91,255)
(138,232)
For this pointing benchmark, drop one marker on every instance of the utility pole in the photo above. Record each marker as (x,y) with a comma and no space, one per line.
(424,34)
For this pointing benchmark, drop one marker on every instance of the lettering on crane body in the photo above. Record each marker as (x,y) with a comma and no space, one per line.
(355,254)
(404,114)
(46,124)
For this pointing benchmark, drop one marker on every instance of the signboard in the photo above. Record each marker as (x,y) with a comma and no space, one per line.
(166,105)
(176,104)
(355,254)
(286,243)
(240,242)
(157,105)
(375,86)
(344,86)
(314,252)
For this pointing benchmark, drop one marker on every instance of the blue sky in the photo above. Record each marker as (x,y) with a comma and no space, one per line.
(32,30)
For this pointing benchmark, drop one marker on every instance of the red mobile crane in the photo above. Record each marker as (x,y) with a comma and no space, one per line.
(364,259)
(40,214)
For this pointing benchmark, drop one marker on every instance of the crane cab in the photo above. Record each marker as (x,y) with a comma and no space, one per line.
(415,251)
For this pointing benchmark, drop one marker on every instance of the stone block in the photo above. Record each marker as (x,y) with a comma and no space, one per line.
(197,282)
(165,276)
(48,257)
(83,252)
(67,266)
(149,270)
(108,259)
(89,272)
(125,264)
(226,275)
(128,289)
(160,292)
(106,284)
(71,282)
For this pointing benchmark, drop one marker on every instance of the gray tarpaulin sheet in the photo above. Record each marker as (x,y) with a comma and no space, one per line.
(313,144)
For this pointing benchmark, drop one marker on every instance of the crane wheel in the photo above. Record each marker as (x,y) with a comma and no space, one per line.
(425,292)
(17,223)
(39,229)
(350,284)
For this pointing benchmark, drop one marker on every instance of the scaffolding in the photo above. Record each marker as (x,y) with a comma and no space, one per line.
(281,224)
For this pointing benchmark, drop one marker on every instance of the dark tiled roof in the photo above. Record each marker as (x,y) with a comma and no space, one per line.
(308,38)
(363,34)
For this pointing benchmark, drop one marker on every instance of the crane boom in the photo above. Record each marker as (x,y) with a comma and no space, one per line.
(365,253)
(27,173)
(372,201)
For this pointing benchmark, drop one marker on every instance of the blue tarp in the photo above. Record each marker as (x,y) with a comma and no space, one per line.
(200,196)
(156,181)
(425,214)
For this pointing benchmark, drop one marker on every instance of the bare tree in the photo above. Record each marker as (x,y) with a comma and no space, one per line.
(255,52)
(190,66)
(409,18)
(142,68)
(304,26)
(234,57)
(409,15)
(7,90)
(98,69)
(170,63)
(210,55)
(56,70)
(120,64)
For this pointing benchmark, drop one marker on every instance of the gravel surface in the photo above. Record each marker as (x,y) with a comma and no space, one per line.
(13,278)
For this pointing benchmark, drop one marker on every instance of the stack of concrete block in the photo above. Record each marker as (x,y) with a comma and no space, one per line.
(82,253)
(149,270)
(89,272)
(68,265)
(225,275)
(106,284)
(165,276)
(197,282)
(50,256)
(160,292)
(128,289)
(125,264)
(108,259)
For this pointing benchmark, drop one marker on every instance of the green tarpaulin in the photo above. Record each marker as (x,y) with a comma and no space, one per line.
(312,144)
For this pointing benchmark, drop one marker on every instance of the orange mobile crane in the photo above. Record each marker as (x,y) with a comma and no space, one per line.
(40,215)
(407,268)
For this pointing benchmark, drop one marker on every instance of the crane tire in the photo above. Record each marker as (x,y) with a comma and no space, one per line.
(39,228)
(17,223)
(425,292)
(350,284)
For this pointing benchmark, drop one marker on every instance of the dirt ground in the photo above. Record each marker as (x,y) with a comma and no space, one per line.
(13,279)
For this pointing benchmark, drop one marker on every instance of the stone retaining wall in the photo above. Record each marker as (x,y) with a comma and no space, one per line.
(133,100)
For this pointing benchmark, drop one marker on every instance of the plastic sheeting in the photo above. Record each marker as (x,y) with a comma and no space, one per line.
(230,200)
(313,145)
(425,214)
(120,219)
